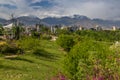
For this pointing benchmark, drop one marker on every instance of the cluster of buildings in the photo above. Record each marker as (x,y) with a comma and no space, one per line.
(53,29)
(78,27)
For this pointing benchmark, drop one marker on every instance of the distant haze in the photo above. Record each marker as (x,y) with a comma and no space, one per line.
(104,9)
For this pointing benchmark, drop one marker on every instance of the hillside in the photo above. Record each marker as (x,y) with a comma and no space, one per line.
(29,66)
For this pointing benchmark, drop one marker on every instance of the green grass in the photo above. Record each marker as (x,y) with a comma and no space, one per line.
(29,66)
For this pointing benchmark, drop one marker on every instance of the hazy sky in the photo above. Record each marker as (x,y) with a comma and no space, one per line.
(105,9)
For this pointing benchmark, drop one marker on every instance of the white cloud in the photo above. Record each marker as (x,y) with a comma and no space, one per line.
(92,8)
(6,2)
(34,1)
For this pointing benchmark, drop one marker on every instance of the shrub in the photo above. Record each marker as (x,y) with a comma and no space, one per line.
(101,35)
(66,42)
(28,43)
(63,31)
(36,35)
(10,49)
(46,37)
(90,60)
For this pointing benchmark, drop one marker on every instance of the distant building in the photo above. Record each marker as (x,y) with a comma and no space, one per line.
(27,29)
(37,27)
(9,26)
(98,28)
(53,29)
(8,33)
(64,27)
(114,28)
(81,28)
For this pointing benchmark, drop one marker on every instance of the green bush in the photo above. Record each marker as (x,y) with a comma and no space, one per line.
(100,35)
(66,42)
(28,43)
(63,31)
(36,35)
(46,37)
(10,49)
(90,60)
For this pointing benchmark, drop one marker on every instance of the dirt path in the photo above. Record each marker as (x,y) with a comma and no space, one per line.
(11,56)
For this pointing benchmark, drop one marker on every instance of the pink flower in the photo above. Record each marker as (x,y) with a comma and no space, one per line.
(62,77)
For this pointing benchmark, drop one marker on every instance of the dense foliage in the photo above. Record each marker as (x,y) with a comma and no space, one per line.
(110,36)
(91,60)
(28,43)
(66,42)
(63,31)
(1,29)
(9,48)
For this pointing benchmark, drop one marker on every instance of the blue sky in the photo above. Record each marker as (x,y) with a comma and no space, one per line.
(105,9)
(43,4)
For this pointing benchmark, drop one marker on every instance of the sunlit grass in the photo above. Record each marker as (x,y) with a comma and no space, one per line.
(33,67)
(2,42)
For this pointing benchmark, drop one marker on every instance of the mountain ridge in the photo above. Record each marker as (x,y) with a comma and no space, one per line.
(83,21)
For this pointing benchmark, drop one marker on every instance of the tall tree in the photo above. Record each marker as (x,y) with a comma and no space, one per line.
(16,29)
(1,29)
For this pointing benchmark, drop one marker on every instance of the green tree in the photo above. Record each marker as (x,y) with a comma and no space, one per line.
(1,29)
(66,42)
(62,31)
(16,32)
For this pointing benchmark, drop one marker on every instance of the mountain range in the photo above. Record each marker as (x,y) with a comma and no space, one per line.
(66,20)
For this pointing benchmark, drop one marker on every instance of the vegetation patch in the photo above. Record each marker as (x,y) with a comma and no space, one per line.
(9,48)
(91,60)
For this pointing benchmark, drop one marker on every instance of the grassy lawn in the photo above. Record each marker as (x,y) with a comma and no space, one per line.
(33,67)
